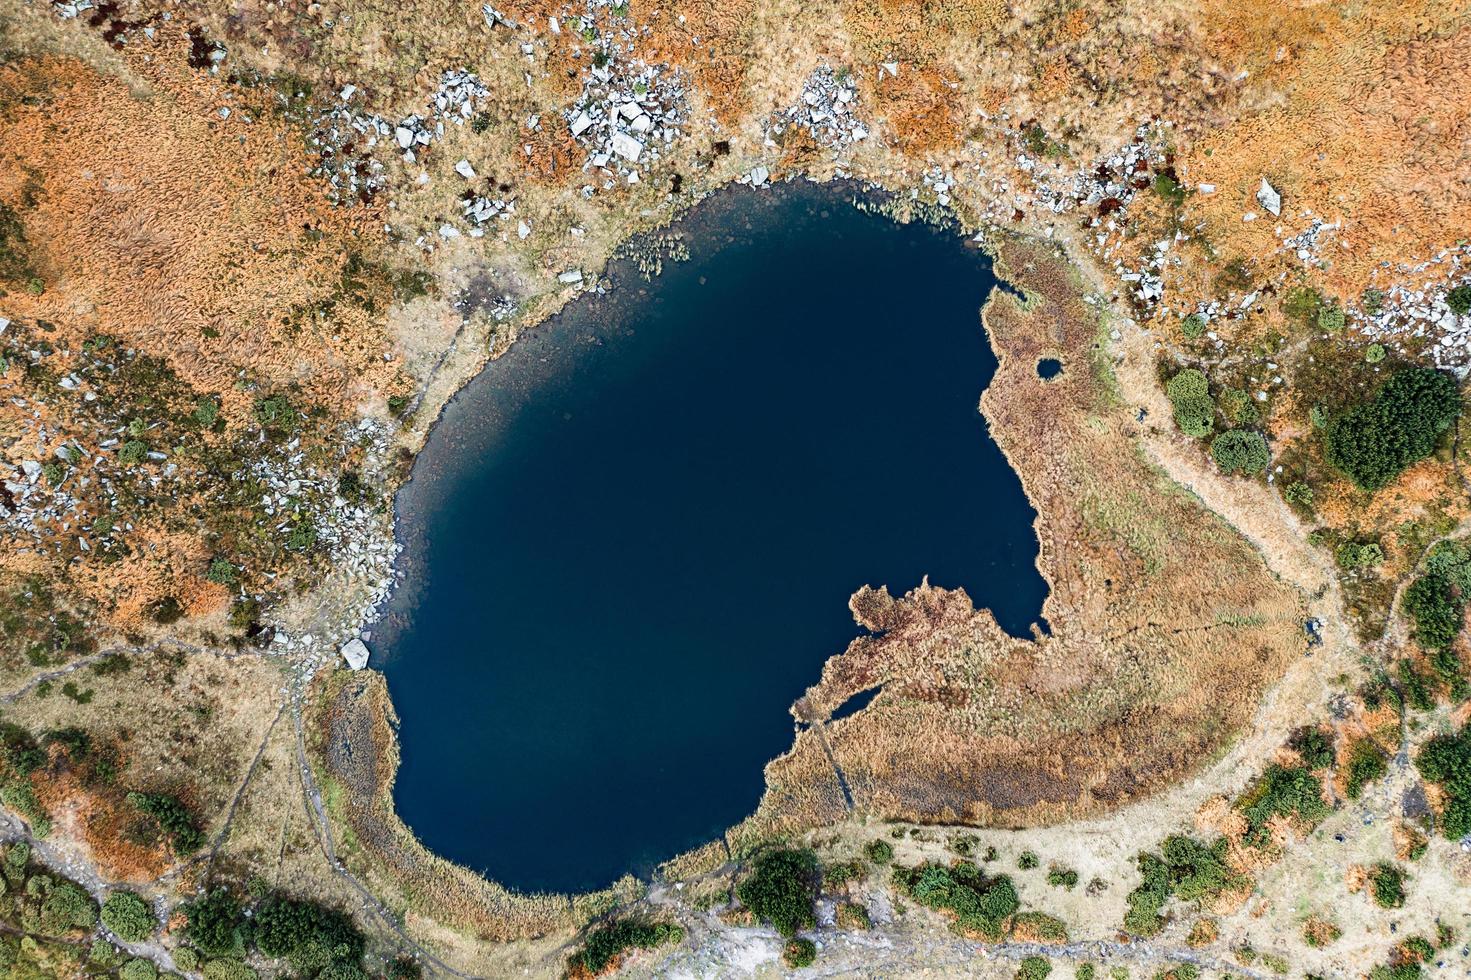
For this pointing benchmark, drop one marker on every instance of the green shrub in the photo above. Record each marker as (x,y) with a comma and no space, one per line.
(128,916)
(1062,878)
(1366,764)
(606,943)
(842,872)
(1034,968)
(308,935)
(853,917)
(1331,318)
(1459,300)
(276,412)
(1195,410)
(172,817)
(1085,971)
(1436,608)
(1451,559)
(1238,408)
(1446,760)
(1314,746)
(222,572)
(213,925)
(1281,792)
(186,959)
(64,907)
(1240,450)
(138,970)
(1359,554)
(104,954)
(879,851)
(1193,326)
(782,889)
(1375,353)
(798,953)
(1040,925)
(21,797)
(1028,860)
(1184,867)
(405,968)
(1387,884)
(228,970)
(134,451)
(1372,443)
(980,904)
(206,411)
(1303,304)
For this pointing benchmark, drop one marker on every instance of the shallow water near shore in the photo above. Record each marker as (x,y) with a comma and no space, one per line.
(630,542)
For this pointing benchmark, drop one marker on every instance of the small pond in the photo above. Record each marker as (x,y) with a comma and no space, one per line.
(630,542)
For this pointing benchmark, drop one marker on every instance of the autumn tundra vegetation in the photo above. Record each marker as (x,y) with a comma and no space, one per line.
(237,286)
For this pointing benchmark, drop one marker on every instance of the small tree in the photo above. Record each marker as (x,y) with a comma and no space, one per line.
(1240,450)
(1189,394)
(214,924)
(128,916)
(782,890)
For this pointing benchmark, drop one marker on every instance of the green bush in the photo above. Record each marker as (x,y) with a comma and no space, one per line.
(1062,878)
(1195,410)
(782,889)
(134,451)
(1387,884)
(104,954)
(1238,407)
(842,872)
(1028,860)
(798,953)
(1359,554)
(172,817)
(222,572)
(405,968)
(276,412)
(1453,560)
(213,925)
(1314,746)
(1303,303)
(64,907)
(186,959)
(1034,968)
(1240,450)
(206,411)
(879,851)
(1446,760)
(308,935)
(128,916)
(1193,326)
(1281,792)
(1459,300)
(980,904)
(228,970)
(1366,764)
(1331,318)
(1184,867)
(1372,443)
(1436,608)
(1375,353)
(138,970)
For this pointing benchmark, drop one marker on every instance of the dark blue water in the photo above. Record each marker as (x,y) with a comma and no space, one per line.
(633,538)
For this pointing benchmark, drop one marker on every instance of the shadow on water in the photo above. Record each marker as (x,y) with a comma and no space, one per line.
(631,541)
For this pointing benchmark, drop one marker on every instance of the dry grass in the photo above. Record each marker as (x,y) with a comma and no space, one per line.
(1166,625)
